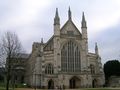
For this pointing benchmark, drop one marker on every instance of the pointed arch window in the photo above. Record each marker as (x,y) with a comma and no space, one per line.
(49,69)
(70,58)
(92,68)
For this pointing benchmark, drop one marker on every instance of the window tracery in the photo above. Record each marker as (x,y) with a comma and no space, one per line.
(49,69)
(70,57)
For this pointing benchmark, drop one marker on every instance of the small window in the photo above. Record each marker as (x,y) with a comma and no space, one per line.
(70,33)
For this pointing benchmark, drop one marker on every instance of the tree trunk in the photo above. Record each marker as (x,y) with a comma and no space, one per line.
(8,74)
(7,81)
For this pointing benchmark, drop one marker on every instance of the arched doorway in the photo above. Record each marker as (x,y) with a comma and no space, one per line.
(50,84)
(74,82)
(94,83)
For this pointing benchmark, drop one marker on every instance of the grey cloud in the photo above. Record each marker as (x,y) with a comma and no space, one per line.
(109,42)
(31,27)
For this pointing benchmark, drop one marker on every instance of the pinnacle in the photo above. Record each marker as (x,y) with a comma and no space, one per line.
(56,19)
(83,21)
(56,15)
(83,17)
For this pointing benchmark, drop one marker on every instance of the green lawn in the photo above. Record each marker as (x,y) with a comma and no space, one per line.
(73,89)
(103,89)
(2,88)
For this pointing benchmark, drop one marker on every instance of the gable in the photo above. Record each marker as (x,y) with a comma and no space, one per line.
(49,45)
(70,28)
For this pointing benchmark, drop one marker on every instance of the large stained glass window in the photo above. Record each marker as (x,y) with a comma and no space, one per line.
(70,57)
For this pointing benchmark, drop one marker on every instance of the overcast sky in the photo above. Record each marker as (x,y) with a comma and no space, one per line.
(33,19)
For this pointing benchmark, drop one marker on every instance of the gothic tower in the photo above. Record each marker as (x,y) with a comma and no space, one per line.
(84,31)
(56,41)
(84,41)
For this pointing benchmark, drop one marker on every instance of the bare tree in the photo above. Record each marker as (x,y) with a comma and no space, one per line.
(11,47)
(1,56)
(2,63)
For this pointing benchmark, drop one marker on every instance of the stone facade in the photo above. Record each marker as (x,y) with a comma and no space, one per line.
(64,61)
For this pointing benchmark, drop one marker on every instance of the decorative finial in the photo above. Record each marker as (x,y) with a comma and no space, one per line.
(56,15)
(83,17)
(69,14)
(96,48)
(96,45)
(41,40)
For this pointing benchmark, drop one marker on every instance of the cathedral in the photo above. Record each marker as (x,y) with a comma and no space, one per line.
(64,60)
